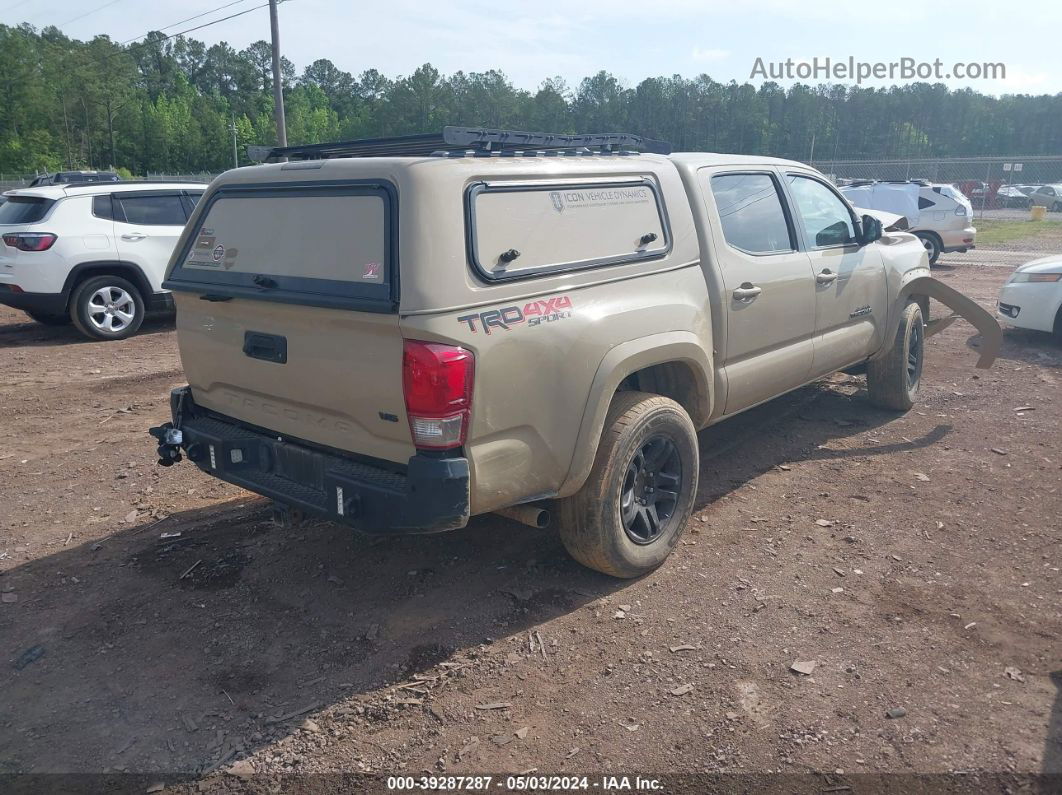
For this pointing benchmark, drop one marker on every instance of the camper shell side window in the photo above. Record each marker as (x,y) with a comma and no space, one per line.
(523,230)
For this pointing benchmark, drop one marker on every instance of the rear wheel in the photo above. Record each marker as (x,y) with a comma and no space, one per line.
(932,245)
(894,380)
(49,319)
(632,510)
(107,308)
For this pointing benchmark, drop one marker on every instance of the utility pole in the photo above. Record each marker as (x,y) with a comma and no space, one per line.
(235,150)
(278,87)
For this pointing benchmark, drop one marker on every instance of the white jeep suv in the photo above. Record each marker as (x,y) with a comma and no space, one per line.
(94,254)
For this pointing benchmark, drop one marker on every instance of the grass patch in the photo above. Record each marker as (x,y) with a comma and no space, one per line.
(992,233)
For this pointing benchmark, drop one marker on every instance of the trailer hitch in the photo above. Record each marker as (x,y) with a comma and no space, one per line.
(170,441)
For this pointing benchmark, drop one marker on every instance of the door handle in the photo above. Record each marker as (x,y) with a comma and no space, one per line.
(134,236)
(747,292)
(826,277)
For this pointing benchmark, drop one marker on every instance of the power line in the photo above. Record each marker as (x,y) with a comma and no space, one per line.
(191,30)
(189,19)
(88,13)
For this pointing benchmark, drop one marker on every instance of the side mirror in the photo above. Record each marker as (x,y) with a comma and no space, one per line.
(871,230)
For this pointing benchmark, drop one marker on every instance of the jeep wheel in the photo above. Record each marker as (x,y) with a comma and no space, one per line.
(107,308)
(894,379)
(49,319)
(932,246)
(632,510)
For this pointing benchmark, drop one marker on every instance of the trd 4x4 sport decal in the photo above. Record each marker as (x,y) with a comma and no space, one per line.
(534,313)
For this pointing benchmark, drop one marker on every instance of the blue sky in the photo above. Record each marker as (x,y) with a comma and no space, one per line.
(632,39)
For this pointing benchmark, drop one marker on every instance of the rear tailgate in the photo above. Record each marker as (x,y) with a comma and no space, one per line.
(286,314)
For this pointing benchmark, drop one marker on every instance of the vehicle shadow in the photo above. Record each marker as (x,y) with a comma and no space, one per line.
(154,652)
(797,427)
(18,333)
(1023,345)
(142,653)
(1053,742)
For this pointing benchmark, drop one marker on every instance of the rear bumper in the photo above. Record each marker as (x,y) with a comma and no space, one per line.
(43,303)
(432,495)
(958,239)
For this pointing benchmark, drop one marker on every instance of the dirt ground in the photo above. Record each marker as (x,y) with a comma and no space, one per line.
(156,621)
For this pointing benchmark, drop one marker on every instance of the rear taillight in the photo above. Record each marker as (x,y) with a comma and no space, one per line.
(30,241)
(437,384)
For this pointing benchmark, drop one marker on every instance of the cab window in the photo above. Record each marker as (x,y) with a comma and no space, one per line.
(826,218)
(751,213)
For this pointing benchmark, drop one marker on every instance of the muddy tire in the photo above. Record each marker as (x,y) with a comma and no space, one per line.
(107,308)
(632,510)
(894,380)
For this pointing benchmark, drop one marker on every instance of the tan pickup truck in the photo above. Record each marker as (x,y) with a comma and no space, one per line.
(399,334)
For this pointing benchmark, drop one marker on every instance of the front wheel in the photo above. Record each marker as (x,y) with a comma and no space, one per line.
(894,379)
(632,510)
(107,308)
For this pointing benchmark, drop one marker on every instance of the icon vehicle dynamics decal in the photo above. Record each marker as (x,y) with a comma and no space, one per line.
(533,313)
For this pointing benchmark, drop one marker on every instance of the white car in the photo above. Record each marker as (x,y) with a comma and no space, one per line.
(939,215)
(94,254)
(1032,297)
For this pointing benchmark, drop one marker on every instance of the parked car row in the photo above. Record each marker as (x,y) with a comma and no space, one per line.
(92,253)
(990,195)
(998,194)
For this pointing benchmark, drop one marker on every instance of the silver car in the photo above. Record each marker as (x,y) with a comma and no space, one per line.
(1049,196)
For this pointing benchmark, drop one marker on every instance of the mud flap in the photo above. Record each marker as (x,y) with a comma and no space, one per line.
(967,308)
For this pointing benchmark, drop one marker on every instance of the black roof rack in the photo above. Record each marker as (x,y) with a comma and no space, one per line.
(459,141)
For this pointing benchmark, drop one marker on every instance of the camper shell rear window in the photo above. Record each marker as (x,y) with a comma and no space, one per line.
(322,245)
(522,230)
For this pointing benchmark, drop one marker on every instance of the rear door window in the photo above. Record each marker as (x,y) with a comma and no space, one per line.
(518,231)
(751,213)
(24,209)
(154,210)
(321,246)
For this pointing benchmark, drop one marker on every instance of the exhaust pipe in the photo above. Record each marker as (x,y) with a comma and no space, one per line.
(531,515)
